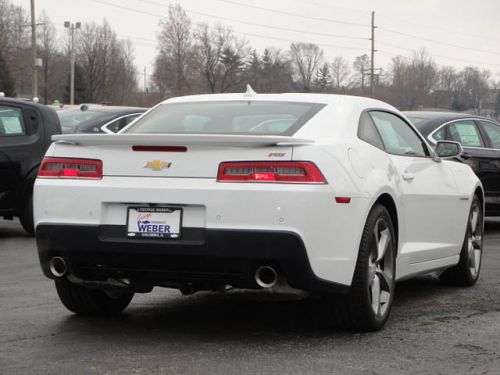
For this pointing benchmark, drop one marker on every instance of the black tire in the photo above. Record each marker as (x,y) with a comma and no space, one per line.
(26,217)
(82,300)
(466,272)
(356,311)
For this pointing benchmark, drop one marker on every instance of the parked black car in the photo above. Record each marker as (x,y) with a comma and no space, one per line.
(480,139)
(26,129)
(97,119)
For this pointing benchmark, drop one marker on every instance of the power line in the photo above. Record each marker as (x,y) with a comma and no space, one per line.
(454,32)
(294,14)
(437,42)
(338,7)
(236,32)
(259,24)
(433,55)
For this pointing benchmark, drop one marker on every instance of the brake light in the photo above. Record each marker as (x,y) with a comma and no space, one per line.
(70,168)
(270,171)
(160,148)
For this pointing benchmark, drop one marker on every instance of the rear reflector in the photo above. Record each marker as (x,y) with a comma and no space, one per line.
(270,171)
(70,168)
(345,200)
(160,148)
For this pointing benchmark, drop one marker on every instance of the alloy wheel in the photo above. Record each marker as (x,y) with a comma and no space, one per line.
(381,268)
(474,242)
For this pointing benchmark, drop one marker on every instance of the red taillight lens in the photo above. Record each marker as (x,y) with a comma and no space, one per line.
(70,168)
(270,171)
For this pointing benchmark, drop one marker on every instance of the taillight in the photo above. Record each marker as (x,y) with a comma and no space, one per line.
(270,171)
(70,168)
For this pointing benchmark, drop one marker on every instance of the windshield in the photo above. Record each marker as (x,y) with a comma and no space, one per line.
(231,117)
(71,118)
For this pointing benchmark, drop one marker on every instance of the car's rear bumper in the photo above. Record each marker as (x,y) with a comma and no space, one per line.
(202,259)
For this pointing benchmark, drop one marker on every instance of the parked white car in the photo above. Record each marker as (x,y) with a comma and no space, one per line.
(319,193)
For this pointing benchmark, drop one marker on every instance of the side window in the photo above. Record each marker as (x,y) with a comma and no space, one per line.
(466,133)
(440,134)
(11,122)
(119,124)
(398,137)
(367,131)
(492,131)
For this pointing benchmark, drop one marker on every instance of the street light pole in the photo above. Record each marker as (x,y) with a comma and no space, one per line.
(34,85)
(72,26)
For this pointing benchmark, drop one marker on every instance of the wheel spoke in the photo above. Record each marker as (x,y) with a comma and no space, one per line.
(385,280)
(383,244)
(477,259)
(375,292)
(472,256)
(384,300)
(474,219)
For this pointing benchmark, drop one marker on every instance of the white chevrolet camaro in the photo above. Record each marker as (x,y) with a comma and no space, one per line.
(324,194)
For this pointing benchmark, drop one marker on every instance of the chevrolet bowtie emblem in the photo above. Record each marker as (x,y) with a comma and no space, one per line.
(157,165)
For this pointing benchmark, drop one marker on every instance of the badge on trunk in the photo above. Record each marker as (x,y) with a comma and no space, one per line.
(157,165)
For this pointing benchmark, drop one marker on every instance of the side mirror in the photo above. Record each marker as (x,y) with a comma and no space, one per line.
(448,149)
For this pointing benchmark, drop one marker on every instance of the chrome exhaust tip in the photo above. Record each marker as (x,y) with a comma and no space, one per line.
(58,266)
(266,277)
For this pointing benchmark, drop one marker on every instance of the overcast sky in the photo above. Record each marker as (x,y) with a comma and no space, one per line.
(455,32)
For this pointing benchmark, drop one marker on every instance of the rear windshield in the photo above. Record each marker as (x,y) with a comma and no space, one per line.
(71,118)
(232,117)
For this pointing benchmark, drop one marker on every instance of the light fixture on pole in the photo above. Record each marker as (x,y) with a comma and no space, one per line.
(72,26)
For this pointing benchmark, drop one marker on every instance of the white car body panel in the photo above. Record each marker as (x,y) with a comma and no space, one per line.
(432,207)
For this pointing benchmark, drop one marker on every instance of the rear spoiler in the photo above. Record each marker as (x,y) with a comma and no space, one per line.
(178,140)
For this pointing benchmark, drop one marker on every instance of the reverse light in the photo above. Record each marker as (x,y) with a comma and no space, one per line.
(270,171)
(70,168)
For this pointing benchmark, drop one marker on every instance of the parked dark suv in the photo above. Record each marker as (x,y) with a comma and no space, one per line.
(26,129)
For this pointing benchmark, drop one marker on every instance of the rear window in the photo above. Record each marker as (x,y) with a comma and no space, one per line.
(233,117)
(71,118)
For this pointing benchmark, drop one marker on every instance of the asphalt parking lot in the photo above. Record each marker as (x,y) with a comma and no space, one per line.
(433,329)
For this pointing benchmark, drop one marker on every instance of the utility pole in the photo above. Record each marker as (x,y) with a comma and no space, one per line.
(145,76)
(72,26)
(34,85)
(372,62)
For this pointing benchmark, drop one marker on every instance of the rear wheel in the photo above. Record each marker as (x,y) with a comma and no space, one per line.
(466,272)
(82,300)
(369,302)
(26,217)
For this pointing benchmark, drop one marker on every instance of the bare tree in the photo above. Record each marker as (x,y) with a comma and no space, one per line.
(340,71)
(52,76)
(306,58)
(413,81)
(106,63)
(175,46)
(360,66)
(14,43)
(473,88)
(222,57)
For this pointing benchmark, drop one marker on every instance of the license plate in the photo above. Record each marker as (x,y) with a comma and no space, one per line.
(154,222)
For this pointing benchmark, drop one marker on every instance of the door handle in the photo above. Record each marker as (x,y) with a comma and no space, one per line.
(407,176)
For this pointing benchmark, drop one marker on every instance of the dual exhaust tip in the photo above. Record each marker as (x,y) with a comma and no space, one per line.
(266,277)
(58,267)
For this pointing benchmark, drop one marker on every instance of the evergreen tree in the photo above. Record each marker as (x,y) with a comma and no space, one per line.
(80,87)
(323,80)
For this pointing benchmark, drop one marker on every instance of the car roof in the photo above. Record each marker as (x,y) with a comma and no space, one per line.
(431,120)
(285,97)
